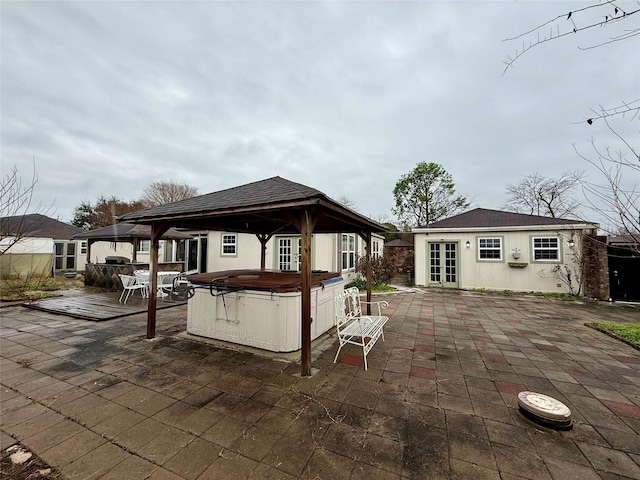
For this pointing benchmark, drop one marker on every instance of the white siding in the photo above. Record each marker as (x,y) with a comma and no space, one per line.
(497,274)
(324,252)
(28,245)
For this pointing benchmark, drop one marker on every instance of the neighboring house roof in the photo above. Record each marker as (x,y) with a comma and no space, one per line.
(398,243)
(36,225)
(485,218)
(128,231)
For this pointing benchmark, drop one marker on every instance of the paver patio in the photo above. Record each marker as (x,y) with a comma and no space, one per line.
(98,400)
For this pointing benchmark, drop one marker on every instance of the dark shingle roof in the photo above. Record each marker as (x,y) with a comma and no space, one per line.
(264,207)
(398,243)
(38,226)
(264,192)
(483,218)
(126,231)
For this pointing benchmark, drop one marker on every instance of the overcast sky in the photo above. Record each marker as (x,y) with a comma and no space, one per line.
(344,97)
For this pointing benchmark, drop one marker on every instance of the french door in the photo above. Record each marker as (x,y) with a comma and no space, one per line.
(64,257)
(289,253)
(197,253)
(443,264)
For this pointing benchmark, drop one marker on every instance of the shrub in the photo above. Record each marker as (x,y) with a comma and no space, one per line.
(382,269)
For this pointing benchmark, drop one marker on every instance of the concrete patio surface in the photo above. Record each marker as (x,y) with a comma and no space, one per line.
(99,401)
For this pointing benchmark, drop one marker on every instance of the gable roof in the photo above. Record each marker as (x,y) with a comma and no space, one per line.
(485,218)
(264,206)
(37,225)
(128,231)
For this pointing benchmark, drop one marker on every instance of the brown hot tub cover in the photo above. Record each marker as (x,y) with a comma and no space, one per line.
(265,280)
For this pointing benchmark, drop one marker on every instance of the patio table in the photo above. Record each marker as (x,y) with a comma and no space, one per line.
(143,277)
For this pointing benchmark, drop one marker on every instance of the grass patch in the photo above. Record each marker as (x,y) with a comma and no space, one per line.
(627,332)
(510,293)
(35,287)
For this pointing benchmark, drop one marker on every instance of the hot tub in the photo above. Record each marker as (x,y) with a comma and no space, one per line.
(260,308)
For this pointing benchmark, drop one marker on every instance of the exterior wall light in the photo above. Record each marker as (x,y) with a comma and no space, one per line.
(468,244)
(572,243)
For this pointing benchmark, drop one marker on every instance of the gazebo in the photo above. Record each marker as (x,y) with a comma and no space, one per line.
(126,232)
(264,208)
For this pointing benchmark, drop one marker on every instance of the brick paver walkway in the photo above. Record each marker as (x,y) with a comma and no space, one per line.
(98,401)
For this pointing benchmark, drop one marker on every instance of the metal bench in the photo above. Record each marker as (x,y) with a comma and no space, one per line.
(355,328)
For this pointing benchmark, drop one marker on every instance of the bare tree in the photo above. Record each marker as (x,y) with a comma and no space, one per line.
(615,199)
(539,195)
(618,200)
(15,204)
(159,193)
(347,202)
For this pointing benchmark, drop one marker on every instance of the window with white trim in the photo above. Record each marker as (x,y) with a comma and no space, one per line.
(490,248)
(83,247)
(289,252)
(348,251)
(376,249)
(229,244)
(546,249)
(144,246)
(64,256)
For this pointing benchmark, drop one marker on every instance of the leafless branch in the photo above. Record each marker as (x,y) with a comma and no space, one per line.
(613,16)
(617,204)
(538,195)
(627,108)
(159,193)
(619,38)
(15,203)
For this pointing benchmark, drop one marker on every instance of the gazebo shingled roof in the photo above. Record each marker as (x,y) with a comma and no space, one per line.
(264,208)
(258,207)
(126,231)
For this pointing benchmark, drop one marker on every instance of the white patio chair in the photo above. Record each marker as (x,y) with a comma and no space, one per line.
(130,284)
(165,282)
(143,279)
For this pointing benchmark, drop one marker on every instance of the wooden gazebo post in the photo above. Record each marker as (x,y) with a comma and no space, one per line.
(90,241)
(264,238)
(307,225)
(134,245)
(368,259)
(157,230)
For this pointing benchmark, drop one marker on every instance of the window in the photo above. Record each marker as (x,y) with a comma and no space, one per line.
(434,262)
(83,248)
(348,251)
(289,250)
(376,249)
(229,244)
(70,262)
(59,256)
(490,248)
(144,246)
(546,249)
(64,256)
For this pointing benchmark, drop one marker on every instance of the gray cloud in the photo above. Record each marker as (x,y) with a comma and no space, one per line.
(343,97)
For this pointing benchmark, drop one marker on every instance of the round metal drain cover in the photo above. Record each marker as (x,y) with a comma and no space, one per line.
(545,410)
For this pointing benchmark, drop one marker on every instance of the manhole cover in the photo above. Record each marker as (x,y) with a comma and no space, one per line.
(545,410)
